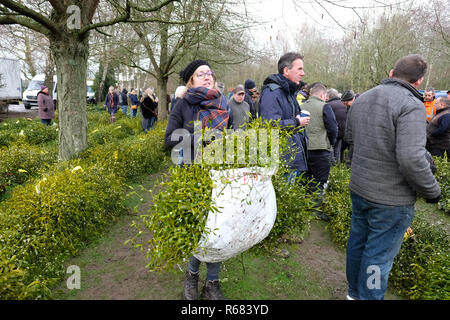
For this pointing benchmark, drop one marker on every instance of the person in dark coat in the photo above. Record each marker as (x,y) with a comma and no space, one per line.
(206,105)
(112,103)
(438,129)
(340,112)
(278,102)
(46,106)
(134,103)
(149,109)
(250,91)
(347,98)
(124,101)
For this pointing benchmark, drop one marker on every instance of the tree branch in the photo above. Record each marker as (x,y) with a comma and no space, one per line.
(156,8)
(122,18)
(58,5)
(26,22)
(40,19)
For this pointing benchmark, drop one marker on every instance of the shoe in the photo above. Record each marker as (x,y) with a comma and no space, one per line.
(191,286)
(211,291)
(322,216)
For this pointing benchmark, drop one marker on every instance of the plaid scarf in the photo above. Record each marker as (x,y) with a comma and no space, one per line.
(213,107)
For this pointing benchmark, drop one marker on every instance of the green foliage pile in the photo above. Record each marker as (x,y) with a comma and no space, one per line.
(20,161)
(443,176)
(50,218)
(169,233)
(28,131)
(338,205)
(421,270)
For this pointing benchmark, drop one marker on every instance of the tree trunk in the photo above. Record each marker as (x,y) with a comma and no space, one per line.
(102,81)
(162,92)
(71,56)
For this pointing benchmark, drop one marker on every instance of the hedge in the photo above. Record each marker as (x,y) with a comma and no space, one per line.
(49,219)
(443,176)
(421,270)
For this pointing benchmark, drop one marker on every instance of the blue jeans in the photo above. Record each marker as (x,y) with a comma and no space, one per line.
(147,123)
(124,109)
(376,235)
(133,113)
(46,121)
(212,269)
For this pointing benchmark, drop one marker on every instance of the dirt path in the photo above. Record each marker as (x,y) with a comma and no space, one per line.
(111,270)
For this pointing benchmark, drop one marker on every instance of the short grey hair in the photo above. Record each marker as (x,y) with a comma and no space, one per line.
(287,60)
(332,93)
(445,101)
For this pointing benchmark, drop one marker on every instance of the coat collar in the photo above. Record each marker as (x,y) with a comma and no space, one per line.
(404,84)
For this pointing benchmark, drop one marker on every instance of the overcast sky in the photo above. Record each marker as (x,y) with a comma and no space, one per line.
(332,17)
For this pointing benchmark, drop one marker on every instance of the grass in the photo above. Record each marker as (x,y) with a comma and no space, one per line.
(315,269)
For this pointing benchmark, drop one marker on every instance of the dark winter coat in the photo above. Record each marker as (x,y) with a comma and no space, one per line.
(340,112)
(182,116)
(124,97)
(149,108)
(278,102)
(46,106)
(438,130)
(134,100)
(112,104)
(248,99)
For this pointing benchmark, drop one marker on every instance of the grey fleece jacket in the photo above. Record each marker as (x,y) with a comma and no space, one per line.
(387,127)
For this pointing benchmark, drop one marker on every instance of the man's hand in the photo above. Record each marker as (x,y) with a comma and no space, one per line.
(304,121)
(435,200)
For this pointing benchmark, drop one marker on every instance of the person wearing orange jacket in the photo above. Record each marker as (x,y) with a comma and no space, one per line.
(430,103)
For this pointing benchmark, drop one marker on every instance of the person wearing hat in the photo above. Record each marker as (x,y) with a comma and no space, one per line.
(250,91)
(347,98)
(203,103)
(239,108)
(46,106)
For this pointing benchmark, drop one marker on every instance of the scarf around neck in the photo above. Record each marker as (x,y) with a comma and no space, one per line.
(213,111)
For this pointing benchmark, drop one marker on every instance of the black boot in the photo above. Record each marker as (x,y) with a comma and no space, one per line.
(211,291)
(191,286)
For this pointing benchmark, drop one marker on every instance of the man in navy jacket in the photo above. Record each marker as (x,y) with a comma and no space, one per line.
(278,102)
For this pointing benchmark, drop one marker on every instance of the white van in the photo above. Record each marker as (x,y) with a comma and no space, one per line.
(29,98)
(90,95)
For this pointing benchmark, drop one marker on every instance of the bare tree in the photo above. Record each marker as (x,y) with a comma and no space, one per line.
(67,25)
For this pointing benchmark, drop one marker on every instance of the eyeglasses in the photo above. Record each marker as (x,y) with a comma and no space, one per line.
(202,75)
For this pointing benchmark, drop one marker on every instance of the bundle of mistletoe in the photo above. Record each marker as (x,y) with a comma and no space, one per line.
(170,231)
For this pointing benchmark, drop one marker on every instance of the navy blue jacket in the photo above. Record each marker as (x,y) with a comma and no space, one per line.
(108,100)
(278,101)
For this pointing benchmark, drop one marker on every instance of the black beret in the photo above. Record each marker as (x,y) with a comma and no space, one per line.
(187,73)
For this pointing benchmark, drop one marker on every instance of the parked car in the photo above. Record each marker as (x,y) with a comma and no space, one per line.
(90,95)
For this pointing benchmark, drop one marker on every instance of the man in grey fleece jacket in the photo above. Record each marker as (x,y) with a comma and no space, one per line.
(387,127)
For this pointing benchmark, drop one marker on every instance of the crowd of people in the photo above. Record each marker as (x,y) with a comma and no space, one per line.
(385,129)
(385,134)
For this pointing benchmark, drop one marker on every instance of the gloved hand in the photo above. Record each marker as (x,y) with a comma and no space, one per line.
(435,200)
